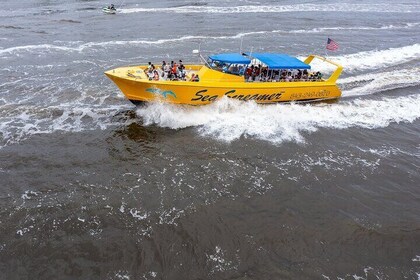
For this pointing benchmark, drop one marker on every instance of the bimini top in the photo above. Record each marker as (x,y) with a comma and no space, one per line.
(279,61)
(230,58)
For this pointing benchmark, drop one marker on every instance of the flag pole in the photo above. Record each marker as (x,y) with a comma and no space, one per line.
(326,49)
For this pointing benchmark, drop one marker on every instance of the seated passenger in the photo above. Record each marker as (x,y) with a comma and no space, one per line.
(276,76)
(181,69)
(241,70)
(182,74)
(167,68)
(248,73)
(155,75)
(299,75)
(175,70)
(196,78)
(311,77)
(233,69)
(289,77)
(225,68)
(305,75)
(150,75)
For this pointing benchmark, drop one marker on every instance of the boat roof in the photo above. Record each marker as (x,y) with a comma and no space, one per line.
(279,61)
(272,60)
(230,58)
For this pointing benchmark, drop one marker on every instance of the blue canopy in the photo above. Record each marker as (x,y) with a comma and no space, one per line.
(279,61)
(230,58)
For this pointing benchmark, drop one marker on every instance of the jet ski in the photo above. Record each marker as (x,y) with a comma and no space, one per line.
(109,9)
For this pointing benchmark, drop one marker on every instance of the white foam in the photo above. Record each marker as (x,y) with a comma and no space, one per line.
(229,120)
(17,124)
(382,81)
(123,275)
(339,28)
(366,60)
(137,214)
(37,48)
(218,261)
(378,58)
(48,48)
(339,7)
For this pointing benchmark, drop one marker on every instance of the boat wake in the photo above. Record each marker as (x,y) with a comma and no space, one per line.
(21,122)
(229,120)
(377,82)
(341,7)
(378,58)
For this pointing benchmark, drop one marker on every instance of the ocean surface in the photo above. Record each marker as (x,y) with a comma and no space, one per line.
(93,187)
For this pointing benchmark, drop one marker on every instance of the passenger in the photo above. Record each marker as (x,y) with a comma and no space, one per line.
(264,73)
(254,72)
(175,70)
(257,70)
(305,75)
(299,75)
(248,73)
(182,74)
(225,68)
(283,75)
(181,70)
(181,66)
(167,68)
(289,77)
(194,78)
(150,75)
(294,74)
(276,76)
(231,69)
(311,77)
(241,70)
(155,75)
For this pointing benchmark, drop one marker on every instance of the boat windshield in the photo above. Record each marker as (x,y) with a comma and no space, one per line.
(226,67)
(232,63)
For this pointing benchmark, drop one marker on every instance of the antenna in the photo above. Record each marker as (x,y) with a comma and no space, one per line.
(198,52)
(240,48)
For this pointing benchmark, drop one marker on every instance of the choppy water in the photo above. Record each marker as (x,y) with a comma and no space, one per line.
(92,187)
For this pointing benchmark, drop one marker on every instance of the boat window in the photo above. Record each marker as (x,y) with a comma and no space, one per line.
(230,68)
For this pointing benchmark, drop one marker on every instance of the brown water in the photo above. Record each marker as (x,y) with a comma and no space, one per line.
(92,187)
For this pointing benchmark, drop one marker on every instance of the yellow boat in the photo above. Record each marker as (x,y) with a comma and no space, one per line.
(260,77)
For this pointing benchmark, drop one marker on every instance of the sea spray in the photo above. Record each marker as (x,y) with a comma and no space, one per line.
(228,120)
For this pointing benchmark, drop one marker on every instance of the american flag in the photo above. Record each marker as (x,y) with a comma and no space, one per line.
(332,45)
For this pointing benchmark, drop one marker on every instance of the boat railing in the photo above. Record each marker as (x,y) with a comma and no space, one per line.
(334,76)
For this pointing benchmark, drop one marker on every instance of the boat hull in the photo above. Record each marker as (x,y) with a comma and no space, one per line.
(201,93)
